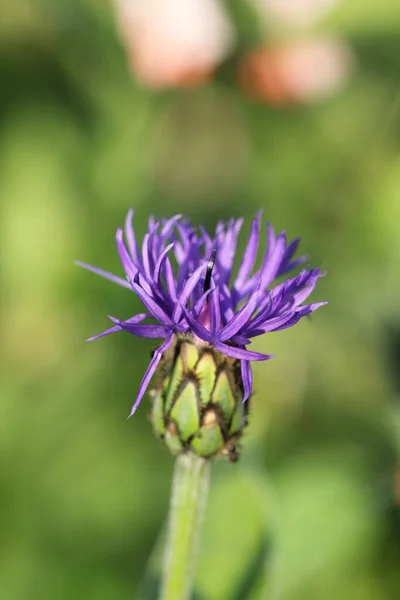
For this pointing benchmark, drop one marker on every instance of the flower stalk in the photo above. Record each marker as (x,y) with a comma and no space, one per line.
(188,501)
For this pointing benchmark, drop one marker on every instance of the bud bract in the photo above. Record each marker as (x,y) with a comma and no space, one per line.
(198,401)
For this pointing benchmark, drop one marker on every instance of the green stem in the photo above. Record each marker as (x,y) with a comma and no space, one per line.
(188,500)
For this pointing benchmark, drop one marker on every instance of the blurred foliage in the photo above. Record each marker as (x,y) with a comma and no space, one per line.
(83,491)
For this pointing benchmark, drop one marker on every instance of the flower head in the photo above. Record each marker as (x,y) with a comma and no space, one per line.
(185,280)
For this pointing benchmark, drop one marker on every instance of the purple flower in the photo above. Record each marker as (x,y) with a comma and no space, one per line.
(185,281)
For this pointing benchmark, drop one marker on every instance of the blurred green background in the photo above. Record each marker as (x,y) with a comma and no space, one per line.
(312,509)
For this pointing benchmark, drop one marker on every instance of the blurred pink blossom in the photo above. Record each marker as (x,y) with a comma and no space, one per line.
(296,13)
(297,72)
(174,43)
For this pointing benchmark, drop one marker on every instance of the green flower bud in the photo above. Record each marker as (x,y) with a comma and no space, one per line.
(197,402)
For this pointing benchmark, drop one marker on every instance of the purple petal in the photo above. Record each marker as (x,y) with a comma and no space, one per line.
(160,261)
(226,252)
(302,295)
(103,333)
(135,319)
(179,253)
(184,233)
(150,372)
(289,323)
(215,312)
(247,378)
(207,241)
(105,274)
(287,263)
(310,308)
(168,227)
(127,263)
(315,306)
(226,304)
(242,317)
(170,280)
(130,239)
(269,325)
(152,306)
(250,254)
(146,284)
(264,310)
(295,263)
(271,238)
(240,353)
(271,265)
(240,340)
(200,303)
(197,327)
(187,290)
(306,310)
(146,256)
(291,250)
(144,331)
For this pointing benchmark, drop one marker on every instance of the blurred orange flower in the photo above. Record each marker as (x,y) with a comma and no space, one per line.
(296,72)
(174,43)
